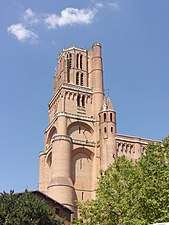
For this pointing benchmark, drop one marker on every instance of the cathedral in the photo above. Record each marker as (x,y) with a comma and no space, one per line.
(81,138)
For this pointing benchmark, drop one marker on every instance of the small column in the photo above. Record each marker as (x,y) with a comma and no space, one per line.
(107,123)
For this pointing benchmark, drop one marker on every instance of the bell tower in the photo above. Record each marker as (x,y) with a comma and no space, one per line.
(73,152)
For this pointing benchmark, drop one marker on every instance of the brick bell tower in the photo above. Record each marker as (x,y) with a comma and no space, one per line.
(80,137)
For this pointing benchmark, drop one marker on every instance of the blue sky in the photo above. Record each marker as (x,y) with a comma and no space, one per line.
(135,44)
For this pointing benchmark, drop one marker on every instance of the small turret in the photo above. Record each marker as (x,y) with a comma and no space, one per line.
(107,123)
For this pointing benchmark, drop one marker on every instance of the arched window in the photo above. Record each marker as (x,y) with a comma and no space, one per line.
(77,61)
(104,117)
(70,60)
(83,101)
(81,61)
(78,100)
(77,78)
(111,129)
(67,60)
(81,81)
(105,130)
(111,117)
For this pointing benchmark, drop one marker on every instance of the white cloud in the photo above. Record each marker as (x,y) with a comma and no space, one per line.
(29,17)
(21,33)
(99,5)
(70,16)
(114,6)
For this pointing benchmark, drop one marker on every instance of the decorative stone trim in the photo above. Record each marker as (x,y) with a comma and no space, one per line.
(72,87)
(132,141)
(77,88)
(61,137)
(86,143)
(70,49)
(51,124)
(48,149)
(75,116)
(70,115)
(42,153)
(87,190)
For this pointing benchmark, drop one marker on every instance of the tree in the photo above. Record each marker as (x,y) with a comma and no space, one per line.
(131,192)
(154,195)
(25,209)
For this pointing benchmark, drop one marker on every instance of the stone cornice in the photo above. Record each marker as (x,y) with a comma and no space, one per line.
(67,138)
(72,87)
(132,140)
(61,137)
(85,143)
(87,190)
(70,115)
(83,89)
(75,116)
(70,49)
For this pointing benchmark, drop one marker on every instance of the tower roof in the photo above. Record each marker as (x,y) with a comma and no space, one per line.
(109,104)
(104,105)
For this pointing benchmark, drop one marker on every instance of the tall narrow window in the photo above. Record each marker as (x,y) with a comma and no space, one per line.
(104,117)
(70,60)
(67,61)
(79,130)
(81,61)
(111,129)
(111,117)
(82,195)
(77,61)
(77,78)
(81,81)
(105,130)
(83,101)
(68,68)
(78,100)
(68,75)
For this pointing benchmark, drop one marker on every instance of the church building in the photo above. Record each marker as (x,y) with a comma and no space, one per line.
(81,138)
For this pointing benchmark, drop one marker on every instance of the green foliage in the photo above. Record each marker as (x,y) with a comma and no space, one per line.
(130,192)
(25,209)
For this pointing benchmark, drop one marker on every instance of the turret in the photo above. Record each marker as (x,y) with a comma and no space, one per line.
(96,78)
(61,182)
(107,123)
